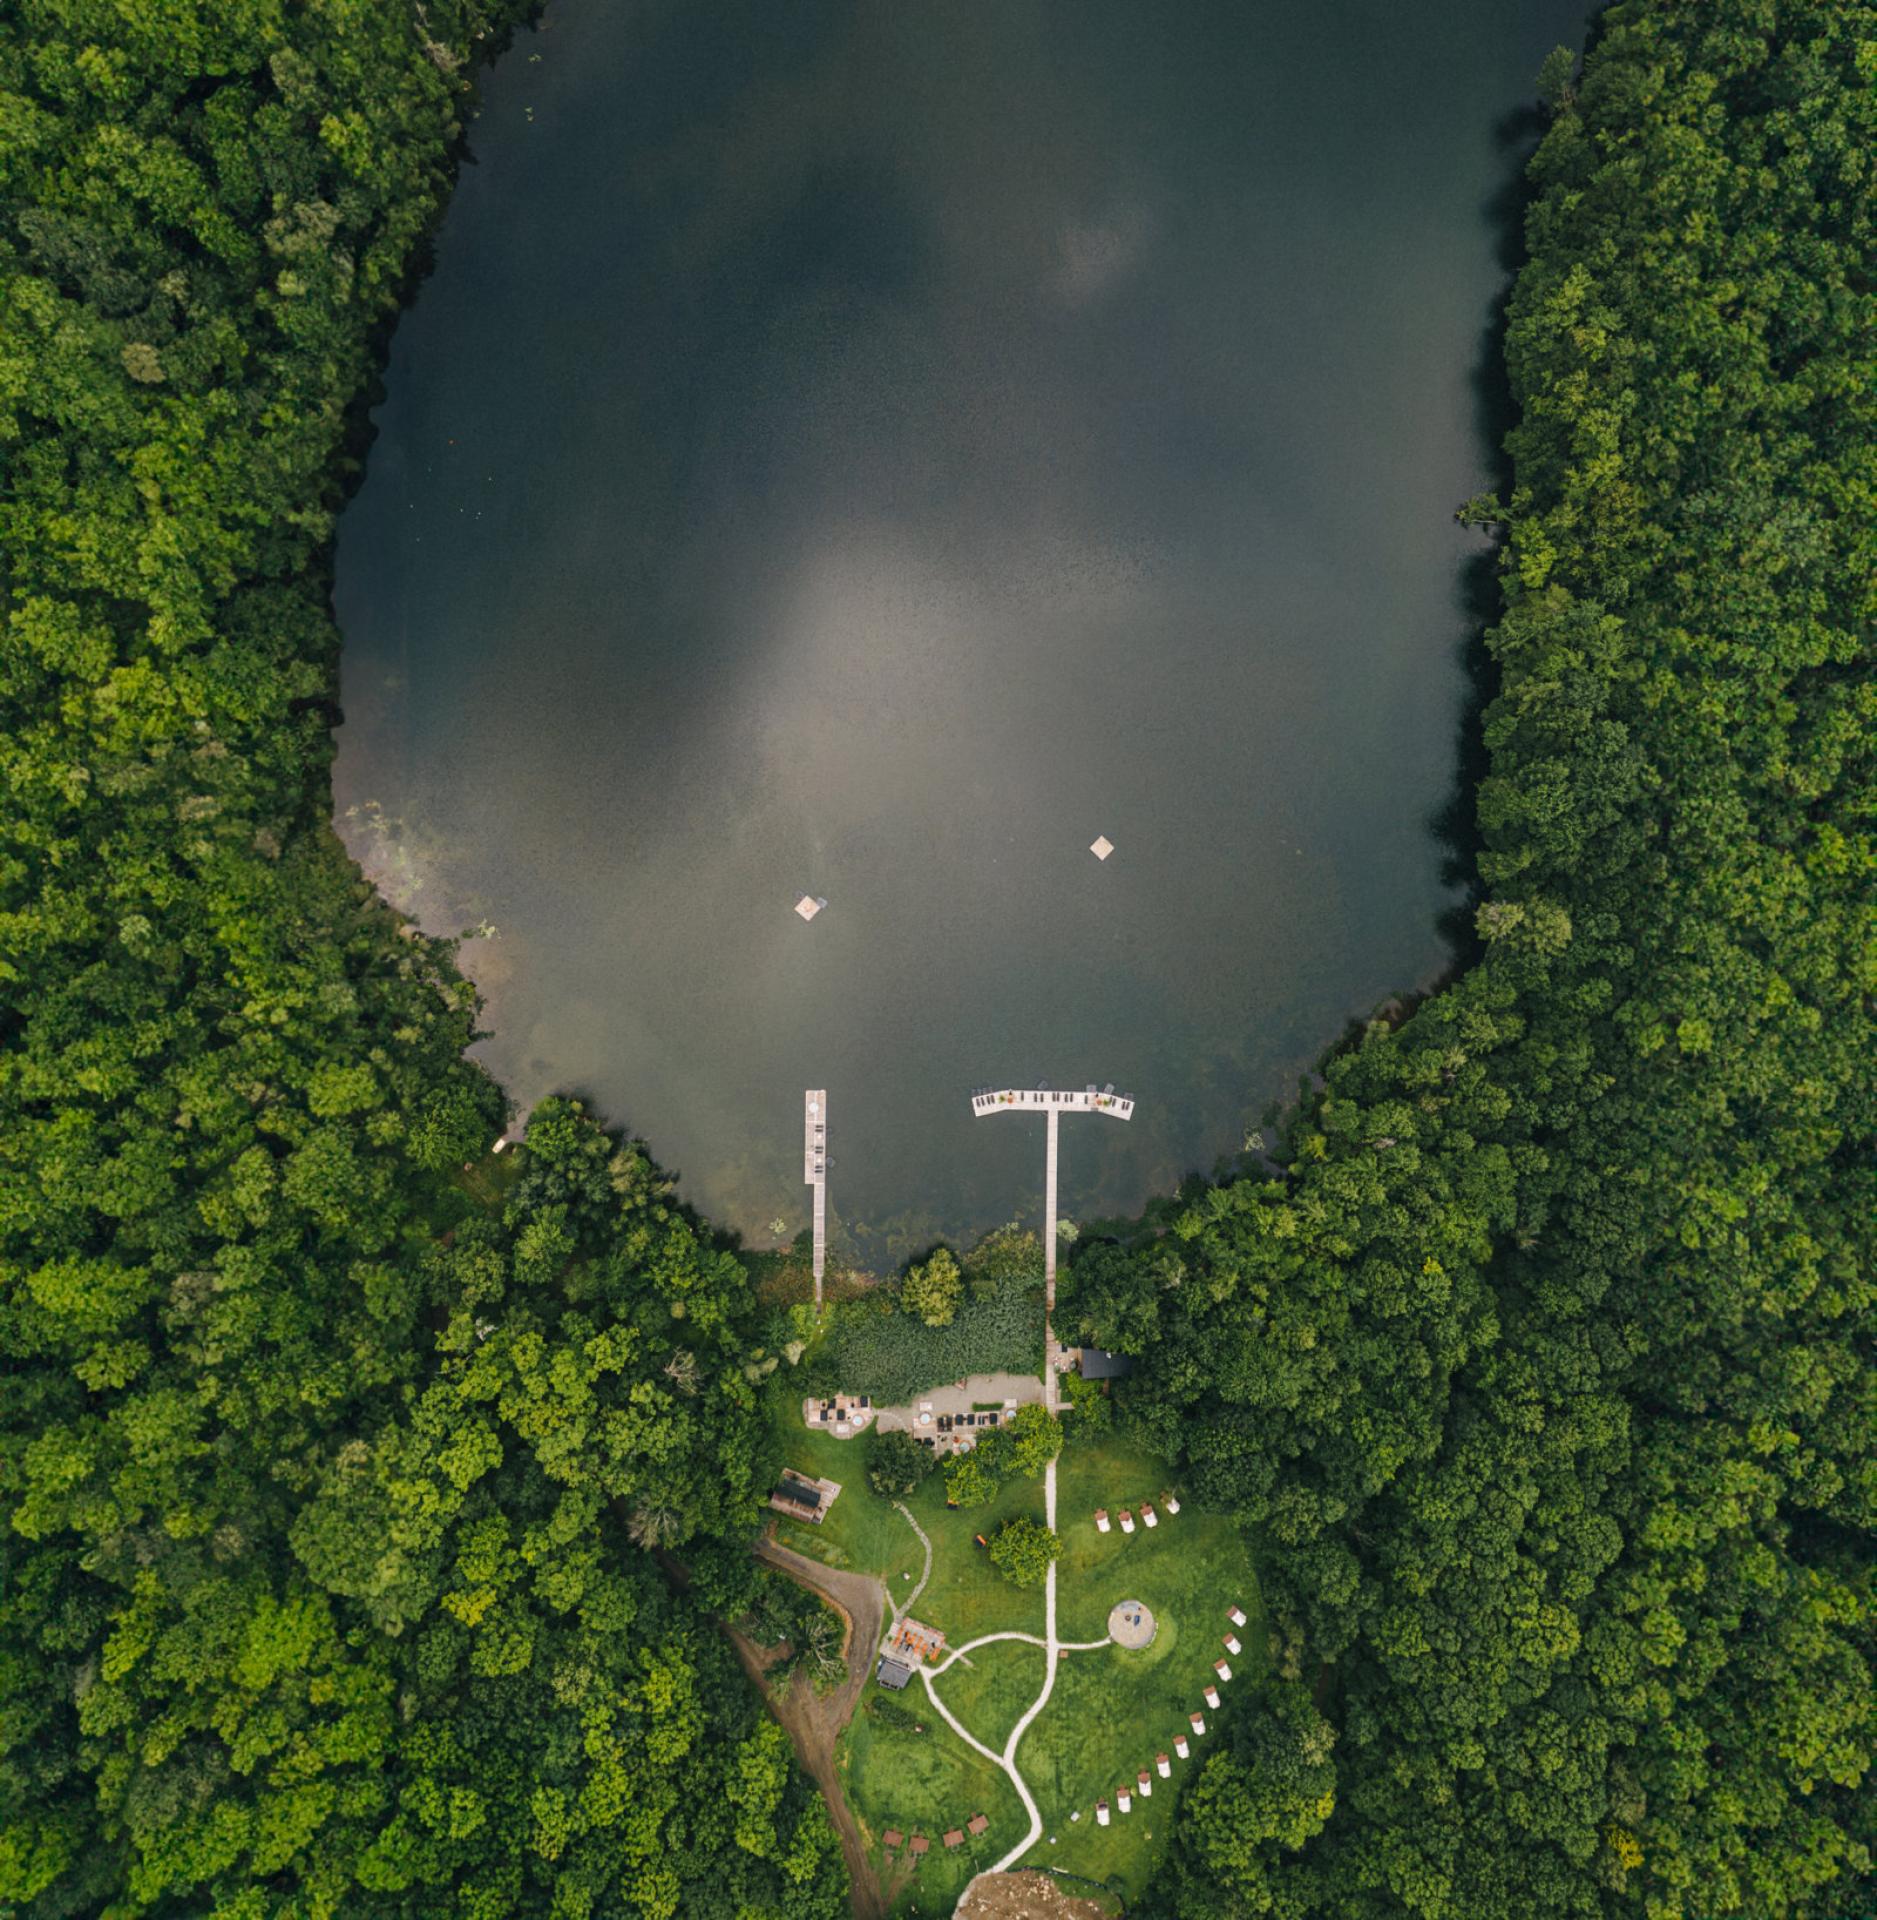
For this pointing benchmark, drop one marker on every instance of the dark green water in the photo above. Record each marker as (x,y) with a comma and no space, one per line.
(872,450)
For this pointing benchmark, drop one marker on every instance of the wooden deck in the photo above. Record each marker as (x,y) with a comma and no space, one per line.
(1052,1103)
(1091,1099)
(815,1172)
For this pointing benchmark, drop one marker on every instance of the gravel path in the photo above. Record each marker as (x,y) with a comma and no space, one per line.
(907,1606)
(1052,1647)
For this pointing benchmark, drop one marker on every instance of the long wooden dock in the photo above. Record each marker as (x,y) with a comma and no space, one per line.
(1052,1103)
(815,1172)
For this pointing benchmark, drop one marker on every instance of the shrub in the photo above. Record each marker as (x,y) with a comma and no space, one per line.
(1093,1410)
(1035,1440)
(972,1479)
(1008,1256)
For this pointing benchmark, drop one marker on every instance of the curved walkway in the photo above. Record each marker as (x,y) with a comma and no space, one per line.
(1012,1633)
(1051,1644)
(1052,1647)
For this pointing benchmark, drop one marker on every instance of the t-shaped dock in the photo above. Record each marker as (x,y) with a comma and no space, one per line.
(1051,1102)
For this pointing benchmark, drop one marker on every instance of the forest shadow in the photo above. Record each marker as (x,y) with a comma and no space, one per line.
(1454,826)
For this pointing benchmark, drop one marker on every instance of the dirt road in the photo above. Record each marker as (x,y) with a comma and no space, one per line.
(813,1721)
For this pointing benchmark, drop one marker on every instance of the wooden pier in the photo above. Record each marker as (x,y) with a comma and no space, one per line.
(815,1172)
(1052,1103)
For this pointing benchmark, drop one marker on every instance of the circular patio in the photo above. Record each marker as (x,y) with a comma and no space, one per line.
(1130,1624)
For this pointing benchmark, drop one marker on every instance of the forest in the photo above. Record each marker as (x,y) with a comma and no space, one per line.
(334,1482)
(343,1488)
(1543,1371)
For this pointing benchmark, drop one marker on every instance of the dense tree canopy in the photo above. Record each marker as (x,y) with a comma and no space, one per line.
(1023,1550)
(334,1478)
(896,1463)
(331,1474)
(933,1289)
(1544,1370)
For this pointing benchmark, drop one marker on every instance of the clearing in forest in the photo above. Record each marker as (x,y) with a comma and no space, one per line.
(1110,1712)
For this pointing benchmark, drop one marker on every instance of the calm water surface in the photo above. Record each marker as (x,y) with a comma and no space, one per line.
(872,450)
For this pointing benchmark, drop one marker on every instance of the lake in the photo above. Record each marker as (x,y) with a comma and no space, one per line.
(870,451)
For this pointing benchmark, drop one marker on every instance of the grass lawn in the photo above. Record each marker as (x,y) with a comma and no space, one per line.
(991,1694)
(925,1783)
(966,1595)
(861,1530)
(1112,1710)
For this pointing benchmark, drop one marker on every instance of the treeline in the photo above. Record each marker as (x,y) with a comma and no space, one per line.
(331,1476)
(1544,1373)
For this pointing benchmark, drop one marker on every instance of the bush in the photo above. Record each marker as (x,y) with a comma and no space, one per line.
(972,1479)
(1035,1440)
(1093,1410)
(1009,1256)
(789,1616)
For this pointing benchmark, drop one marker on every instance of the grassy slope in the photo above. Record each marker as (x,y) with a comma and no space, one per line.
(966,1595)
(1113,1711)
(926,1783)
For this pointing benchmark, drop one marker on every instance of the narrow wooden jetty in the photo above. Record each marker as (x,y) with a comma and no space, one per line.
(815,1172)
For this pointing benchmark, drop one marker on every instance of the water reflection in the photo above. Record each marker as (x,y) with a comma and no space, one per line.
(871,451)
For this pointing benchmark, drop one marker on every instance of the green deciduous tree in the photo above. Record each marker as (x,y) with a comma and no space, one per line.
(1543,1364)
(897,1465)
(328,1466)
(1035,1438)
(933,1289)
(1023,1552)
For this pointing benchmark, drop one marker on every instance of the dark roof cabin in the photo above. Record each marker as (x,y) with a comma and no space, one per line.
(893,1673)
(1098,1363)
(802,1493)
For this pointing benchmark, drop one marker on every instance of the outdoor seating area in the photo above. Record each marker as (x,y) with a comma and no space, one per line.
(841,1414)
(960,1431)
(1107,1719)
(947,1419)
(913,1642)
(893,1838)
